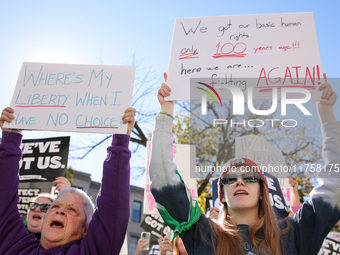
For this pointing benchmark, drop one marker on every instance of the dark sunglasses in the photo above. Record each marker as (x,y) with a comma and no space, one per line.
(43,207)
(251,177)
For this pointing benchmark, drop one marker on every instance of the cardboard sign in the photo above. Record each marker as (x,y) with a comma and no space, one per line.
(44,159)
(182,157)
(77,98)
(269,158)
(275,50)
(265,154)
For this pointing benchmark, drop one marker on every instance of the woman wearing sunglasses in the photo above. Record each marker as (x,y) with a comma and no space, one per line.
(247,224)
(39,206)
(37,210)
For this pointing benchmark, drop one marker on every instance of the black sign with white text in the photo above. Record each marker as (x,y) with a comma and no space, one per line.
(44,159)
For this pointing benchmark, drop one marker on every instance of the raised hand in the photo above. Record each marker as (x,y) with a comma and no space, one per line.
(163,92)
(325,108)
(129,118)
(7,116)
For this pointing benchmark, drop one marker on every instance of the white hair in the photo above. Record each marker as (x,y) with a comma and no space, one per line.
(87,202)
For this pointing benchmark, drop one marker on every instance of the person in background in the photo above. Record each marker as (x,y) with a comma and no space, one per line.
(39,206)
(141,243)
(36,212)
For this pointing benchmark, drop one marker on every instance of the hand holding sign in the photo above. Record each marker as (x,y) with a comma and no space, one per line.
(7,115)
(129,118)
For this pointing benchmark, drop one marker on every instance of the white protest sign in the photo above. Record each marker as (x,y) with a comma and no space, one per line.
(183,160)
(77,98)
(334,235)
(265,154)
(268,157)
(274,50)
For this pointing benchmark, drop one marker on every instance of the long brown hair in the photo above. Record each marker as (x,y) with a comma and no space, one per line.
(264,232)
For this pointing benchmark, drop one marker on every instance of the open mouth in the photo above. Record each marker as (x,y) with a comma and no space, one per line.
(36,217)
(240,193)
(56,224)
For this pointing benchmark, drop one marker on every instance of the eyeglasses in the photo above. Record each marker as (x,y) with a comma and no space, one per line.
(43,207)
(229,179)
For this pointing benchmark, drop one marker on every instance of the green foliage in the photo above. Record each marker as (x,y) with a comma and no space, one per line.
(207,192)
(336,228)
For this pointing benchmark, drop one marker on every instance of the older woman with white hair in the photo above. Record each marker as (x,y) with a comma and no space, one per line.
(39,206)
(71,225)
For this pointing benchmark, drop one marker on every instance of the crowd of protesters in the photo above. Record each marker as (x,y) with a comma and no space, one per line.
(244,224)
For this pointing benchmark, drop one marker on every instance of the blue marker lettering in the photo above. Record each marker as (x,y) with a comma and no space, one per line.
(50,77)
(78,125)
(66,77)
(43,98)
(16,101)
(52,98)
(31,76)
(109,80)
(58,119)
(42,79)
(35,99)
(96,76)
(59,79)
(114,103)
(80,100)
(79,78)
(66,97)
(89,99)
